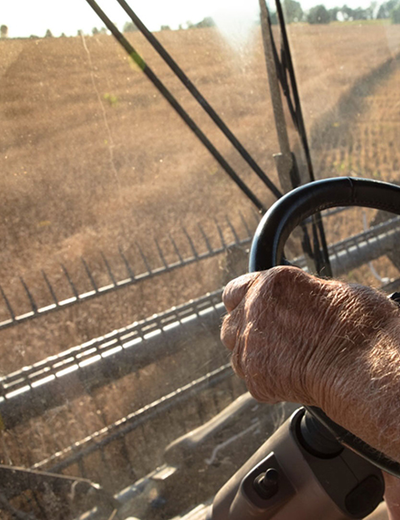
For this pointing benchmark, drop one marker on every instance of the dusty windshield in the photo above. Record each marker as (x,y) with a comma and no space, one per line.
(125,209)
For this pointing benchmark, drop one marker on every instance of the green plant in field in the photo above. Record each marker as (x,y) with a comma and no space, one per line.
(111,99)
(342,166)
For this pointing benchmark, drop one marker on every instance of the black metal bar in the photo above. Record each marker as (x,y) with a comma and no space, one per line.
(176,105)
(286,59)
(89,274)
(134,420)
(161,254)
(79,298)
(178,254)
(50,287)
(195,253)
(131,274)
(245,224)
(30,297)
(145,261)
(221,235)
(71,283)
(8,304)
(82,469)
(288,66)
(199,97)
(65,359)
(108,267)
(125,452)
(232,228)
(210,249)
(115,362)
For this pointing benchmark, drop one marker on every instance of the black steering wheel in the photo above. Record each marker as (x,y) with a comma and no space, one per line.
(267,251)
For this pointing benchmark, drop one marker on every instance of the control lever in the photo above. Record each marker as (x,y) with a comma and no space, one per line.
(301,473)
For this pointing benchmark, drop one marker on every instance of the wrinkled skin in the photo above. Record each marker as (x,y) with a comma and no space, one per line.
(298,338)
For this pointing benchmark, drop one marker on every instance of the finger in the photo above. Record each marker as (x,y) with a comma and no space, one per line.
(236,289)
(237,361)
(229,331)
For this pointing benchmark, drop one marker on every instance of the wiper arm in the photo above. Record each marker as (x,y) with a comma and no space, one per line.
(175,104)
(199,97)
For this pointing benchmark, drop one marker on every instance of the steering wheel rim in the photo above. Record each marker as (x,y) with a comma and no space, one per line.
(267,251)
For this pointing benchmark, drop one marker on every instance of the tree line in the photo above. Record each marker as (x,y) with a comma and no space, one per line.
(389,10)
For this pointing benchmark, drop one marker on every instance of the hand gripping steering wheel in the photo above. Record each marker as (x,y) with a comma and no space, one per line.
(267,251)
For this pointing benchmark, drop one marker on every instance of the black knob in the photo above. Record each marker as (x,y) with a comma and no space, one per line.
(267,484)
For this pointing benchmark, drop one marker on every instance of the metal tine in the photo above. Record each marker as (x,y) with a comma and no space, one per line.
(8,304)
(146,263)
(209,247)
(90,276)
(127,264)
(161,254)
(71,283)
(125,453)
(50,287)
(221,235)
(232,228)
(30,297)
(178,253)
(249,234)
(110,273)
(195,254)
(82,468)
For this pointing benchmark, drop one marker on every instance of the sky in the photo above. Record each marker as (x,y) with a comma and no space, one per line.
(27,17)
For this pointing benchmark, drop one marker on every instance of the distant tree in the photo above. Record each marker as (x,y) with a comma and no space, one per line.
(395,16)
(371,10)
(48,34)
(189,24)
(318,14)
(79,32)
(63,35)
(95,31)
(293,11)
(360,14)
(347,13)
(129,27)
(165,28)
(333,14)
(385,9)
(4,31)
(103,30)
(206,22)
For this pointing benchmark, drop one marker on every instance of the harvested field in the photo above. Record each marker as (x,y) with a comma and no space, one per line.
(87,164)
(94,160)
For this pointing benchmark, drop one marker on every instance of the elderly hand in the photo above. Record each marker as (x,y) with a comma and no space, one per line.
(298,338)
